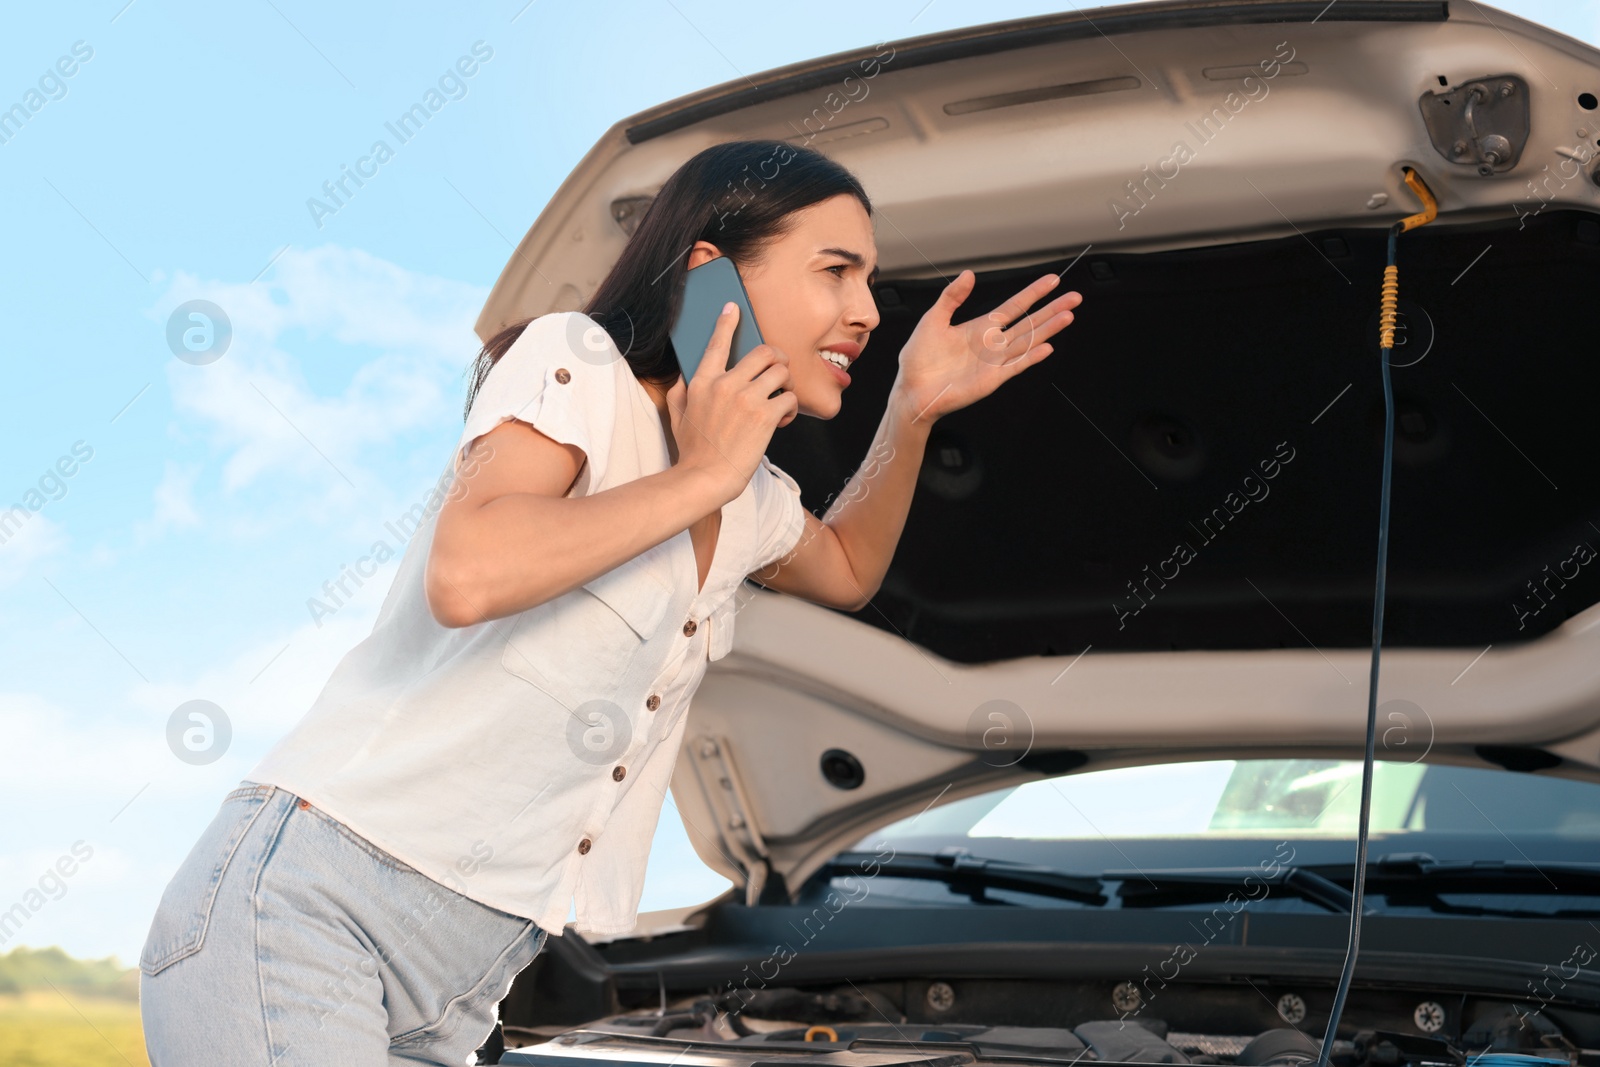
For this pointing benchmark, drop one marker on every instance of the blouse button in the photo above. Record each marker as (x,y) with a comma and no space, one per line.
(654,702)
(563,376)
(618,773)
(583,847)
(689,628)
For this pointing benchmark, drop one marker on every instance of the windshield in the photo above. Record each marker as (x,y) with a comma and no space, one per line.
(1224,798)
(1240,813)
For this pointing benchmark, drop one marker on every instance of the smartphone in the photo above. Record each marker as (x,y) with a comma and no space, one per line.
(707,288)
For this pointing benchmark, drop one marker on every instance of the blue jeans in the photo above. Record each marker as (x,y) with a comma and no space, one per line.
(285,939)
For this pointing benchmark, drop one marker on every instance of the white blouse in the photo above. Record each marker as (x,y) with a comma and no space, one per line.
(523,761)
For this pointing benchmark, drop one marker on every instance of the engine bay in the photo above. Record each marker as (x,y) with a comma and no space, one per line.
(945,1023)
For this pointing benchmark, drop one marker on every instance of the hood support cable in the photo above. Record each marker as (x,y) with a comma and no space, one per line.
(1389,303)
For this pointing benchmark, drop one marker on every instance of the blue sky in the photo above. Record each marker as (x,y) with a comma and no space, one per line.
(206,504)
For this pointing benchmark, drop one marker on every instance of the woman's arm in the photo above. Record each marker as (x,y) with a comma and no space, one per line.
(841,559)
(508,539)
(511,539)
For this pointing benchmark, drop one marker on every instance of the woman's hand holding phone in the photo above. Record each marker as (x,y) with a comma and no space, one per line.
(723,419)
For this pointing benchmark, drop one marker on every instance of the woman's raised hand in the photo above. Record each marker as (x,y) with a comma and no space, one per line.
(945,367)
(723,419)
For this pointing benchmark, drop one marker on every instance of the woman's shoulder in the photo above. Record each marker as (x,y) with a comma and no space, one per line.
(560,378)
(558,335)
(566,349)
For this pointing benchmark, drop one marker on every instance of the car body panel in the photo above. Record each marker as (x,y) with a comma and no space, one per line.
(1034,141)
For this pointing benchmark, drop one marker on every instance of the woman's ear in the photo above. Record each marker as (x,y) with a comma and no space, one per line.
(702,252)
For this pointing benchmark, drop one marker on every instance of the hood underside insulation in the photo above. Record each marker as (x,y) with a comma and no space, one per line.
(1197,464)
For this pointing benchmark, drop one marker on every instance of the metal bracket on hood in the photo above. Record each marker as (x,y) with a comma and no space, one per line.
(725,795)
(628,211)
(1482,123)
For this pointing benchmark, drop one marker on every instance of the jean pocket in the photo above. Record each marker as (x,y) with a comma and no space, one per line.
(179,928)
(475,1007)
(360,842)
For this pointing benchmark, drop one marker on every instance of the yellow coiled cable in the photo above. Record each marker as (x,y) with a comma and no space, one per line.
(1391,274)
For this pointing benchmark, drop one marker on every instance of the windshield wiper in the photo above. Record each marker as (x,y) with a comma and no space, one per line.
(1405,879)
(972,876)
(1161,887)
(1416,878)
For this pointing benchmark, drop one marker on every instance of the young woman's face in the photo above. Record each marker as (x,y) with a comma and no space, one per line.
(812,291)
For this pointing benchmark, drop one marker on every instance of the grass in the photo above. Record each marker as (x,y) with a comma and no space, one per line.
(50,1027)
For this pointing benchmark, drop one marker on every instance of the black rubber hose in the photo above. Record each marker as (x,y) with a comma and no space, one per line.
(1359,891)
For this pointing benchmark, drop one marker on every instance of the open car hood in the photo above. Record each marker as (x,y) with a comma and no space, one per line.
(1220,390)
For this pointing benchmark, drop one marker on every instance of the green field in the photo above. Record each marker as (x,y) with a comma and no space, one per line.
(50,1028)
(56,1010)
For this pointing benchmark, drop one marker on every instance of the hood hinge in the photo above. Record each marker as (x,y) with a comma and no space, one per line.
(1482,124)
(714,766)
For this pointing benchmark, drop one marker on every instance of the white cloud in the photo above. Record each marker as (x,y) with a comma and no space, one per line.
(102,556)
(34,539)
(96,755)
(256,405)
(103,771)
(111,749)
(267,686)
(174,503)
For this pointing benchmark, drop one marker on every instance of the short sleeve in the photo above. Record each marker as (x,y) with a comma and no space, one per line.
(780,517)
(549,380)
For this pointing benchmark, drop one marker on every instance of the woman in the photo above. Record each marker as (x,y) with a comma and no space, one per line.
(497,751)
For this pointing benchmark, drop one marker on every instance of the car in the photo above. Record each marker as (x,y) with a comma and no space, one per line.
(1082,781)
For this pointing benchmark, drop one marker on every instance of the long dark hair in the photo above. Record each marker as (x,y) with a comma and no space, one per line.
(738,195)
